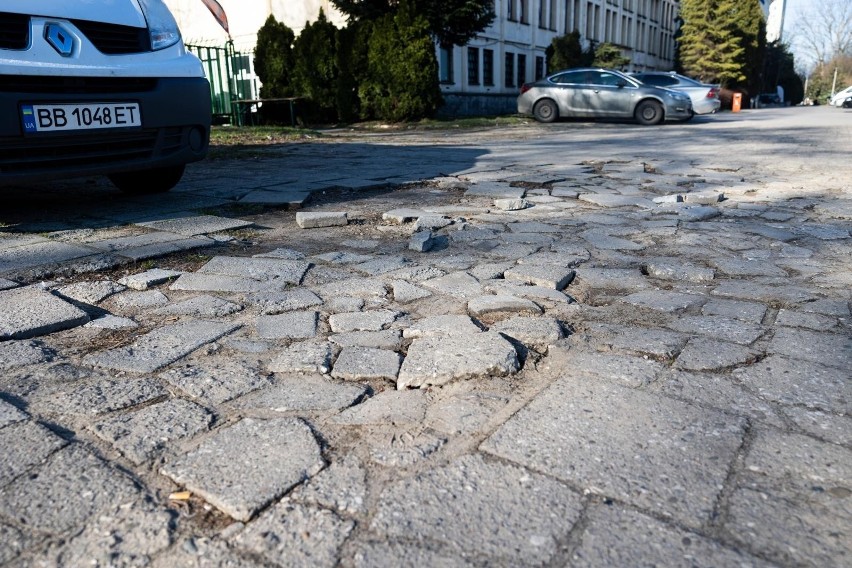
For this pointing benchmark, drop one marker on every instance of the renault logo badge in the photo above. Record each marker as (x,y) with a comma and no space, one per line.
(61,40)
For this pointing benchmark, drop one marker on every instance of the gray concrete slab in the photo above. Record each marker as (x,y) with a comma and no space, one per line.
(160,347)
(284,452)
(668,440)
(32,311)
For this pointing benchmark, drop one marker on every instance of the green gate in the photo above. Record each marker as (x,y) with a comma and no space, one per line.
(231,77)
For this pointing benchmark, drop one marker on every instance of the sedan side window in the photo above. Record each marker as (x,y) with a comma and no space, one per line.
(604,78)
(572,78)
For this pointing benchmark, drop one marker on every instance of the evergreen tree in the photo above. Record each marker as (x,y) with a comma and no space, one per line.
(273,59)
(314,74)
(708,49)
(450,22)
(781,70)
(565,52)
(402,75)
(609,56)
(351,62)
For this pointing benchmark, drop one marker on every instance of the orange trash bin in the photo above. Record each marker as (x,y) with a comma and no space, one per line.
(737,103)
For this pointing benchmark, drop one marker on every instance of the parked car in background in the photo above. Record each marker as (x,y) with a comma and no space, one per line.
(847,102)
(601,93)
(101,87)
(768,100)
(705,98)
(840,96)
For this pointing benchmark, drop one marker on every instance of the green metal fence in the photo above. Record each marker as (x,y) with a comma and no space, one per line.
(231,77)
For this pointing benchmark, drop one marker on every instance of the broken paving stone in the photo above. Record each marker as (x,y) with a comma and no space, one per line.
(718,327)
(794,382)
(194,282)
(342,486)
(746,311)
(143,434)
(546,275)
(10,414)
(90,292)
(304,393)
(536,333)
(284,452)
(160,347)
(200,306)
(406,448)
(815,322)
(634,372)
(664,300)
(538,294)
(31,311)
(675,270)
(133,533)
(390,339)
(198,225)
(498,510)
(592,280)
(138,300)
(501,304)
(272,302)
(301,534)
(834,349)
(289,325)
(214,381)
(303,357)
(23,353)
(404,292)
(402,215)
(316,220)
(75,484)
(381,265)
(617,536)
(282,253)
(421,241)
(264,269)
(511,204)
(145,280)
(436,360)
(390,407)
(446,325)
(667,439)
(366,363)
(658,343)
(705,354)
(458,284)
(600,239)
(431,222)
(344,304)
(371,320)
(25,444)
(97,395)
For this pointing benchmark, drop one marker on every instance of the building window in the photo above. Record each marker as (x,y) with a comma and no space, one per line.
(522,69)
(472,65)
(542,14)
(551,20)
(445,64)
(539,67)
(509,70)
(488,67)
(510,10)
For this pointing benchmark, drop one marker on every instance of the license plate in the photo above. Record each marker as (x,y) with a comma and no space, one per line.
(62,117)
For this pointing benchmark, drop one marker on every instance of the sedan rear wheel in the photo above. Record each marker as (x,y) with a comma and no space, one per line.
(649,113)
(545,111)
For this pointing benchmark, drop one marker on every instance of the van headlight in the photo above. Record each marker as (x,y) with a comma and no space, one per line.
(162,26)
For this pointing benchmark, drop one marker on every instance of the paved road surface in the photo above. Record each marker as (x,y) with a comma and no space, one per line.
(548,345)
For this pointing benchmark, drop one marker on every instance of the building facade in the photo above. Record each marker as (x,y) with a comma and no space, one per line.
(484,76)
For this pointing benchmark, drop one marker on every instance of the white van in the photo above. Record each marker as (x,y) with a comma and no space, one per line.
(101,87)
(838,98)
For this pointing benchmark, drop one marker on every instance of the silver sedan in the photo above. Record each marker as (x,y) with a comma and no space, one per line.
(601,93)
